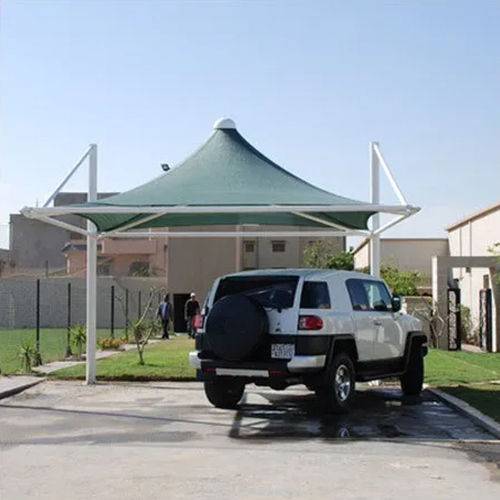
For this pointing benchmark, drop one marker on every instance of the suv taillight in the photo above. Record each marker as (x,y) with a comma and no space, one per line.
(198,321)
(310,323)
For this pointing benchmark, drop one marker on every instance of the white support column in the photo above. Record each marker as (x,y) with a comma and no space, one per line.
(237,250)
(375,220)
(90,375)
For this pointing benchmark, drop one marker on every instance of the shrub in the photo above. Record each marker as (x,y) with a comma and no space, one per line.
(400,282)
(110,343)
(78,334)
(29,355)
(324,255)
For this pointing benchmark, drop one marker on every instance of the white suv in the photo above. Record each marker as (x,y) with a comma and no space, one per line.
(322,328)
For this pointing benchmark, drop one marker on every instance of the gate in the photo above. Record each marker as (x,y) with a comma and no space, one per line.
(454,320)
(485,316)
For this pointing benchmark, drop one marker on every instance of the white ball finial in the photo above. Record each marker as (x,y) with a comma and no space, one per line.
(224,123)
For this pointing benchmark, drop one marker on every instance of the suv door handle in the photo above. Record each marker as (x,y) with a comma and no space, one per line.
(377,322)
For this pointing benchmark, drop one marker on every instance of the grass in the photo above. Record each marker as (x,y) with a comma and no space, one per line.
(466,376)
(453,368)
(485,397)
(163,361)
(52,345)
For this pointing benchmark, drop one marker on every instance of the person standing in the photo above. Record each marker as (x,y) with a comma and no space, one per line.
(165,315)
(191,309)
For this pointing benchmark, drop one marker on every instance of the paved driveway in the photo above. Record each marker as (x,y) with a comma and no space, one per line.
(148,441)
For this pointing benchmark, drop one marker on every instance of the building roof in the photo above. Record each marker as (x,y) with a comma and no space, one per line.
(476,215)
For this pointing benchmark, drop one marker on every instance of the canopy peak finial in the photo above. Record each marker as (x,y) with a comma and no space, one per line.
(224,123)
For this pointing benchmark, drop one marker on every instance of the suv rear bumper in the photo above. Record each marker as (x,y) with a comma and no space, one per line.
(259,369)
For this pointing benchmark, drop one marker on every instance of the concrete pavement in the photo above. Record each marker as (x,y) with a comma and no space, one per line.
(63,439)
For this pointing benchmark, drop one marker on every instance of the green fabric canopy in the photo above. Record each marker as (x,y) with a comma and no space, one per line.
(227,171)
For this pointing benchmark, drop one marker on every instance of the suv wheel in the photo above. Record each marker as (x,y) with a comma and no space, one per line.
(336,391)
(224,393)
(413,379)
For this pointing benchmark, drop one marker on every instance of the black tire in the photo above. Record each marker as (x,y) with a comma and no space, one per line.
(235,327)
(224,393)
(413,379)
(336,391)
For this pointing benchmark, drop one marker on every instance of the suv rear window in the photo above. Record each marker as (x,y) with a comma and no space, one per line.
(315,295)
(263,289)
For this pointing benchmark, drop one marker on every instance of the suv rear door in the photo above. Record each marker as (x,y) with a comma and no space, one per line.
(364,319)
(276,293)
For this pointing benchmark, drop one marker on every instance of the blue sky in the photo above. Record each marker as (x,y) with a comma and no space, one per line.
(309,83)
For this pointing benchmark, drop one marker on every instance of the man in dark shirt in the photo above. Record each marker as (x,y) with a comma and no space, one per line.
(165,315)
(191,309)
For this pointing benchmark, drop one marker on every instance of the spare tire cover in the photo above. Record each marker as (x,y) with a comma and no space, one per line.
(235,326)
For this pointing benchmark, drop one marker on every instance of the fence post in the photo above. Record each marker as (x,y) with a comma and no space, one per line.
(38,361)
(112,311)
(139,304)
(68,332)
(126,312)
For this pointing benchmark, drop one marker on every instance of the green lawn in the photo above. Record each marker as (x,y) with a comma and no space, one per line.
(453,368)
(166,360)
(484,397)
(52,345)
(466,376)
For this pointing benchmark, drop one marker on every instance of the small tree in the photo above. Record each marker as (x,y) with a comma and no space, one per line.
(145,327)
(495,251)
(323,255)
(401,282)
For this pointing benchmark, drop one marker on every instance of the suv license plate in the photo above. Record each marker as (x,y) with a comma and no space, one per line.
(282,351)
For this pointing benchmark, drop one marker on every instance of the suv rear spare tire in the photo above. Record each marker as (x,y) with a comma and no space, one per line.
(224,393)
(235,327)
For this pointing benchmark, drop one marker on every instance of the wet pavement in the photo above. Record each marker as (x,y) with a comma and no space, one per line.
(105,441)
(380,412)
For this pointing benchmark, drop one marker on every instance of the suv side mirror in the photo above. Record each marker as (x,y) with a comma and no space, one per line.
(396,303)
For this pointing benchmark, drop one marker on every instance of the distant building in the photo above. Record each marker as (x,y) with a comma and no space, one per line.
(407,254)
(35,247)
(192,263)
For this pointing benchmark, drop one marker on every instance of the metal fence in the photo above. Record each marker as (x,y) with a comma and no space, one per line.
(44,310)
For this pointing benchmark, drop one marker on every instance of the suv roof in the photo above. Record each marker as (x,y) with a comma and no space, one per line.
(306,273)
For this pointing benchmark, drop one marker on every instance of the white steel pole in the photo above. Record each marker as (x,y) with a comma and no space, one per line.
(375,221)
(90,375)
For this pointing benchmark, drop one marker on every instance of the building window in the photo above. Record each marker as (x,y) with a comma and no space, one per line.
(249,246)
(278,246)
(103,266)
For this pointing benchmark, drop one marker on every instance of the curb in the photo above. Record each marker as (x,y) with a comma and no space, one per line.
(18,388)
(466,409)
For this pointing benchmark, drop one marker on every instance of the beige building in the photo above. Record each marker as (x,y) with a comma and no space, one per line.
(471,240)
(192,264)
(405,254)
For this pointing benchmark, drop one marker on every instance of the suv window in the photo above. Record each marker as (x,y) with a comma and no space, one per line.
(378,296)
(266,290)
(357,293)
(368,295)
(315,295)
